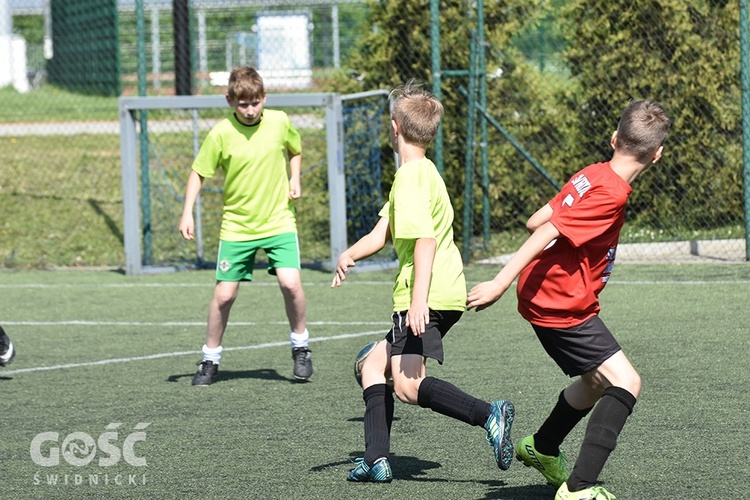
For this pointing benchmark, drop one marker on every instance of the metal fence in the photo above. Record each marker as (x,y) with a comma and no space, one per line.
(532,92)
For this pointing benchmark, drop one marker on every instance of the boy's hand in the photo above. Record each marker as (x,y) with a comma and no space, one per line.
(342,267)
(187,226)
(484,295)
(295,189)
(417,318)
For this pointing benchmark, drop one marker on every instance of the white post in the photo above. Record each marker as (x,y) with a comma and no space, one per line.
(47,30)
(12,52)
(336,176)
(6,43)
(336,41)
(202,50)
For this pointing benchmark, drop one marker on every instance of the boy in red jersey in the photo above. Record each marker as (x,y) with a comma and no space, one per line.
(561,268)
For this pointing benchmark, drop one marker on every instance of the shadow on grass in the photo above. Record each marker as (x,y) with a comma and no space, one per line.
(111,224)
(362,419)
(407,468)
(527,492)
(223,375)
(6,378)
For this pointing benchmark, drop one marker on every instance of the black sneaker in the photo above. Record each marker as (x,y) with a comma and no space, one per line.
(7,351)
(207,370)
(302,363)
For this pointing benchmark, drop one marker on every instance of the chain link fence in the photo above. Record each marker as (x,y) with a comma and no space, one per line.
(532,91)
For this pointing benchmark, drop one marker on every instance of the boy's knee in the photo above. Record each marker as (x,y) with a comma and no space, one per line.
(224,297)
(633,384)
(291,286)
(407,391)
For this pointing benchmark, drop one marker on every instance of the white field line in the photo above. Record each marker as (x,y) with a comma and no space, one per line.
(327,285)
(181,353)
(167,285)
(175,323)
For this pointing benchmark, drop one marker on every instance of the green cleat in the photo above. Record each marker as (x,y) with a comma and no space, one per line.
(554,469)
(593,493)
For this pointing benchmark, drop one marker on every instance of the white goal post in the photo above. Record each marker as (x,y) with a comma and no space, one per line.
(131,122)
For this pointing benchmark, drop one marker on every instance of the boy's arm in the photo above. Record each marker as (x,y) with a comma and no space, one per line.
(487,293)
(367,245)
(187,224)
(541,216)
(418,314)
(295,185)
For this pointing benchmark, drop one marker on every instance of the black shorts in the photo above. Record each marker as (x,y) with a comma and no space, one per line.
(430,343)
(579,349)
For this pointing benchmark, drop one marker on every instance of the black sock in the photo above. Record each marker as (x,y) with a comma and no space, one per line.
(378,419)
(447,399)
(558,425)
(605,424)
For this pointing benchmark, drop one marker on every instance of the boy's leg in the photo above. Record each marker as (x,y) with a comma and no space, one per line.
(496,418)
(290,282)
(563,418)
(408,357)
(378,418)
(225,293)
(374,466)
(542,450)
(295,303)
(442,397)
(607,420)
(284,261)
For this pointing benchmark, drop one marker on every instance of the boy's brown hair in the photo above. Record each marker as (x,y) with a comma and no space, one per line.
(418,113)
(245,84)
(642,129)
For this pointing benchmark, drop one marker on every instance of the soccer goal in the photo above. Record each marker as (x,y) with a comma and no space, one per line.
(342,140)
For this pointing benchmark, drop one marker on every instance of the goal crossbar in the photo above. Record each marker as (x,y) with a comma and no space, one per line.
(129,107)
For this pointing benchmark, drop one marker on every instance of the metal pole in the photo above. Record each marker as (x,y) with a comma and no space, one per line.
(182,66)
(468,220)
(436,76)
(745,78)
(482,69)
(130,223)
(143,134)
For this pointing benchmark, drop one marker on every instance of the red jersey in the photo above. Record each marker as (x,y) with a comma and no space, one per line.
(560,288)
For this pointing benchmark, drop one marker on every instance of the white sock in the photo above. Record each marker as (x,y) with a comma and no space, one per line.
(299,339)
(211,354)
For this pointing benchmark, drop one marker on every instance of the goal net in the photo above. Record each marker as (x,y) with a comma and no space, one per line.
(342,162)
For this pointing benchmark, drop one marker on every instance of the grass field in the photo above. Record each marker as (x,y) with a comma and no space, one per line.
(101,348)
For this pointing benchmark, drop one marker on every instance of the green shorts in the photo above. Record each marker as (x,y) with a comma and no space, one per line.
(236,259)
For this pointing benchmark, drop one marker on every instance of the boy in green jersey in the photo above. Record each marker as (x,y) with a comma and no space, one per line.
(251,147)
(429,295)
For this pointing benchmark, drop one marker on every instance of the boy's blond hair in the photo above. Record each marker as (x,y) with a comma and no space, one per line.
(245,84)
(642,129)
(418,113)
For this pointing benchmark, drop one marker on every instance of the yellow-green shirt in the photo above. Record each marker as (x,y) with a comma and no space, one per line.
(419,207)
(256,186)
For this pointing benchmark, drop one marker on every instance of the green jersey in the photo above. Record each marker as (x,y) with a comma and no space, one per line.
(419,207)
(256,185)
